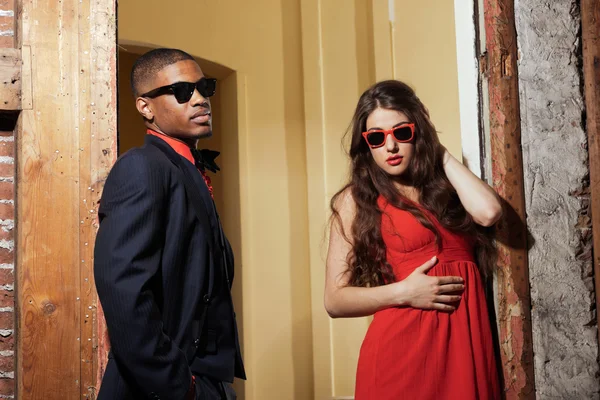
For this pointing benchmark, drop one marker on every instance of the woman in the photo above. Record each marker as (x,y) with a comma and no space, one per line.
(405,245)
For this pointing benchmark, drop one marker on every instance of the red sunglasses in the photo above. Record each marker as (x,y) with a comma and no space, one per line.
(402,134)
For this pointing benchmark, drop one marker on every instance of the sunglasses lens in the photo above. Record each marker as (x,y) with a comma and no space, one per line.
(375,138)
(403,133)
(207,86)
(183,91)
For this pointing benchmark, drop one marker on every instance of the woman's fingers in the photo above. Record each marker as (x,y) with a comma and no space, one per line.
(442,307)
(451,288)
(427,265)
(445,280)
(447,299)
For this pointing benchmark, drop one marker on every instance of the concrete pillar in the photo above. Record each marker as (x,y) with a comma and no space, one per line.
(556,170)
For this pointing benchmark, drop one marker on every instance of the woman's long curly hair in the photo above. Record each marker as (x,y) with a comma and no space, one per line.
(367,263)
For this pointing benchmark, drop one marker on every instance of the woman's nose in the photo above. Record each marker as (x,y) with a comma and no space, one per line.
(390,143)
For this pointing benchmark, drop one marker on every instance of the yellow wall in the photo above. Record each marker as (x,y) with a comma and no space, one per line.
(290,74)
(425,57)
(130,124)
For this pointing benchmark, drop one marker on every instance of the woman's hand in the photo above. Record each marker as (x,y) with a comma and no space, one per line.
(431,292)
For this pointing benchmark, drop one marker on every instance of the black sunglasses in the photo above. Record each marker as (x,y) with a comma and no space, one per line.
(183,91)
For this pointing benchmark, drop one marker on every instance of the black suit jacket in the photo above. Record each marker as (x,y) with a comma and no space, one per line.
(160,255)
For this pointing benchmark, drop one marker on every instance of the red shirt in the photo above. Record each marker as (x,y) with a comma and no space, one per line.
(183,150)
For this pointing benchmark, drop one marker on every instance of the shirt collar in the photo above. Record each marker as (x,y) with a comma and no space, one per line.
(181,148)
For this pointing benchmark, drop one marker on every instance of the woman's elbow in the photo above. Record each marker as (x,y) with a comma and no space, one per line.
(490,216)
(333,314)
(330,307)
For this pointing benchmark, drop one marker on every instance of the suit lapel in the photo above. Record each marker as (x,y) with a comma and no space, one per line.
(192,188)
(202,189)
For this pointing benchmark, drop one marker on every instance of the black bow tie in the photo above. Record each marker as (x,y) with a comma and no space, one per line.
(205,159)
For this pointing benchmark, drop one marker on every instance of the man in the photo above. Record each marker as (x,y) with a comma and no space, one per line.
(163,267)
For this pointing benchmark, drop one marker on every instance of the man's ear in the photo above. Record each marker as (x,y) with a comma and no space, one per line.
(144,107)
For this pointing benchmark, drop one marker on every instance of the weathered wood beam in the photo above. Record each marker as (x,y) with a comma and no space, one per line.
(103,140)
(66,138)
(514,302)
(590,32)
(10,79)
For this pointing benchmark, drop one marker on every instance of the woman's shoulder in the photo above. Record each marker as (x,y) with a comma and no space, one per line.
(344,202)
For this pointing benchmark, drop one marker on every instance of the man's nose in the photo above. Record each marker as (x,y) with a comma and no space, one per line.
(199,100)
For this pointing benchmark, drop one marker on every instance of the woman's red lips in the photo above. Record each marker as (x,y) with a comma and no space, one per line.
(394,160)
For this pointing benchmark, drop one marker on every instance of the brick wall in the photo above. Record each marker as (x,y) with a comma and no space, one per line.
(7,23)
(7,211)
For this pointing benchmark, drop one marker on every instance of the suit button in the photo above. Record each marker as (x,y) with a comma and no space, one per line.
(197,342)
(206,298)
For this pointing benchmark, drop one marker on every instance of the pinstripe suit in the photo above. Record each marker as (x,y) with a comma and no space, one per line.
(163,271)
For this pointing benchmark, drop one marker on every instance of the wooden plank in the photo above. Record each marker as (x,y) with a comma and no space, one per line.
(47,213)
(10,79)
(86,211)
(26,89)
(514,310)
(67,144)
(590,32)
(103,137)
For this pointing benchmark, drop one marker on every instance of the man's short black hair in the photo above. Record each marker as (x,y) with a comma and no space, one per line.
(151,62)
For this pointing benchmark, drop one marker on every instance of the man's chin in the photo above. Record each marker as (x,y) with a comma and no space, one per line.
(203,133)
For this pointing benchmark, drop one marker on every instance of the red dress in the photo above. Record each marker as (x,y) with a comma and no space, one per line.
(419,354)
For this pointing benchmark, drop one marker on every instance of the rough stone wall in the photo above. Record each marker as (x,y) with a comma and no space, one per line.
(556,172)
